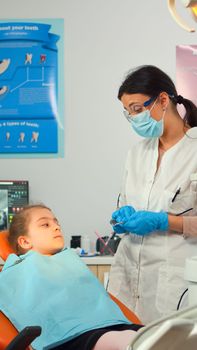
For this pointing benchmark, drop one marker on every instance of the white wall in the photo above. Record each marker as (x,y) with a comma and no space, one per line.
(103,40)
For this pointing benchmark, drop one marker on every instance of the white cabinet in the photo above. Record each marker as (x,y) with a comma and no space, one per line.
(100,266)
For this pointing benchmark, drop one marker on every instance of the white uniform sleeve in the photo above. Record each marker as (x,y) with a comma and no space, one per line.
(190,226)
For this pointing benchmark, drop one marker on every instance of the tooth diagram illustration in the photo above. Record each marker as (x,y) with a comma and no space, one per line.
(35,136)
(4,65)
(3,90)
(28,58)
(7,136)
(21,137)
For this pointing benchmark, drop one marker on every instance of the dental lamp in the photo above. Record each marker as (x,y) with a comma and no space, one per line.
(189,4)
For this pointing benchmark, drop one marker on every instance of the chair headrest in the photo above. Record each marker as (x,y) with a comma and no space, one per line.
(5,248)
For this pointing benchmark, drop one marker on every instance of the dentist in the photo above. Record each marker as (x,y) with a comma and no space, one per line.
(158,200)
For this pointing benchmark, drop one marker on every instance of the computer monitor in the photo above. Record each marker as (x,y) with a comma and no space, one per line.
(14,195)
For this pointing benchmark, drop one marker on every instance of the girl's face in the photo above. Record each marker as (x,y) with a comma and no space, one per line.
(44,233)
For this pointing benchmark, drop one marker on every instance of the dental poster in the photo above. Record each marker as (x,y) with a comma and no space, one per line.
(30,117)
(186,71)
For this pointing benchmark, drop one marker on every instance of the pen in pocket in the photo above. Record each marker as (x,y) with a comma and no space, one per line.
(185,211)
(176,194)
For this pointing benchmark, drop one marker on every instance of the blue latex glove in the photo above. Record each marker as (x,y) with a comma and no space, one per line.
(122,215)
(144,222)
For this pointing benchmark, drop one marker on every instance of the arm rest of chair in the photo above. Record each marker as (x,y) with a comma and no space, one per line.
(24,338)
(10,335)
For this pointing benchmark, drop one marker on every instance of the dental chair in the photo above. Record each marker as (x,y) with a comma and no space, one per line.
(20,341)
(10,338)
(5,248)
(177,331)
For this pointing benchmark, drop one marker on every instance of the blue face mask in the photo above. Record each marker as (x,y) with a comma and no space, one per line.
(144,125)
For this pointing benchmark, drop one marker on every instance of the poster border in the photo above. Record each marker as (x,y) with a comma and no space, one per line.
(57,25)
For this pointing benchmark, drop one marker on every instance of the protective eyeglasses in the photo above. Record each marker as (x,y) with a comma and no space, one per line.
(137,108)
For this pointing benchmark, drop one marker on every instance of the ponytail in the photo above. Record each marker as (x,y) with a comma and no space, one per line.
(190,117)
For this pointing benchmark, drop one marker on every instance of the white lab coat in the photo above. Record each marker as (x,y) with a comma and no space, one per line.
(148,272)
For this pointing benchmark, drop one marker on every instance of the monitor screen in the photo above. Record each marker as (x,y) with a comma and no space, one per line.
(14,195)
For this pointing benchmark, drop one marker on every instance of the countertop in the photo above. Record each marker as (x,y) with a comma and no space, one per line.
(91,260)
(98,260)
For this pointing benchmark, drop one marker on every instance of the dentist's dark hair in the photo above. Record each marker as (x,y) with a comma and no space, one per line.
(151,81)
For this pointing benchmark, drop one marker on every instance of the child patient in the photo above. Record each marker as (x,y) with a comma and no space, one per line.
(46,285)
